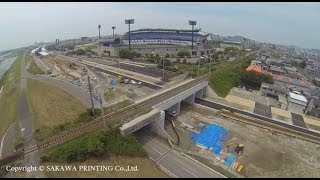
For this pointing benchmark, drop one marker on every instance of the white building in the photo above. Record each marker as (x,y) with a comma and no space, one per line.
(238,45)
(296,98)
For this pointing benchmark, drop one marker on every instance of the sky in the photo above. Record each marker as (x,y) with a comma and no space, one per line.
(24,23)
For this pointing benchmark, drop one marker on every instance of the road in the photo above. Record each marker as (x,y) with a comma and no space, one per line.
(176,163)
(27,124)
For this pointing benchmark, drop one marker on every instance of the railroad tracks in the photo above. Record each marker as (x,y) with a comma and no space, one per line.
(101,122)
(269,125)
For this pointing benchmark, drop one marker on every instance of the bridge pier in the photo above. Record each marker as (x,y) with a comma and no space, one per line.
(190,99)
(199,94)
(157,125)
(175,107)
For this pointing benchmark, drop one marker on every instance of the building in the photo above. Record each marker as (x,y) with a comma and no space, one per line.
(254,68)
(238,45)
(305,85)
(256,62)
(167,41)
(297,98)
(276,70)
(165,36)
(314,107)
(273,89)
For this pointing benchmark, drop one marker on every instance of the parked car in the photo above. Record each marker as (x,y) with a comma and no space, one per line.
(172,113)
(126,81)
(133,82)
(139,84)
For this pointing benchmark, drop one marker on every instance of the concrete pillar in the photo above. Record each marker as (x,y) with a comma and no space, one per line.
(175,107)
(190,99)
(157,126)
(199,94)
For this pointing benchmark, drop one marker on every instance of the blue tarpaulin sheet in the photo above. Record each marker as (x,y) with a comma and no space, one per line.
(211,137)
(230,160)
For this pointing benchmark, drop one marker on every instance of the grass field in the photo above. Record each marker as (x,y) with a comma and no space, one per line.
(50,105)
(10,95)
(33,68)
(145,166)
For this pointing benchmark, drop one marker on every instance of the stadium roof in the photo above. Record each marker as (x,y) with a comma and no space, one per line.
(163,29)
(43,53)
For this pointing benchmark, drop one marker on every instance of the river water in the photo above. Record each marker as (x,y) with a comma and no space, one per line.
(6,60)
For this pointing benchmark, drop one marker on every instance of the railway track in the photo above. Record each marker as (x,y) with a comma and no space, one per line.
(271,126)
(263,122)
(101,122)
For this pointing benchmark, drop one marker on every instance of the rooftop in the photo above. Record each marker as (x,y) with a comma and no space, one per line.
(297,97)
(231,42)
(254,68)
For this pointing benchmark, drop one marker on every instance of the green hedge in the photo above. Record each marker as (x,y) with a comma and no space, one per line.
(96,144)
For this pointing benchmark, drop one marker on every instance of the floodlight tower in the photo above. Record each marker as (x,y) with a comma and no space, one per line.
(113,27)
(192,23)
(99,27)
(129,21)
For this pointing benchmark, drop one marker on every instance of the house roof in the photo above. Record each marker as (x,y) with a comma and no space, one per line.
(297,97)
(254,68)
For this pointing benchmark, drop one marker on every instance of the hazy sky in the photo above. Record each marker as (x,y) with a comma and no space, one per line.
(22,24)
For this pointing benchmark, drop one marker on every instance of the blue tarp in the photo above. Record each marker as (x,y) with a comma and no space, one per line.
(113,82)
(211,137)
(230,160)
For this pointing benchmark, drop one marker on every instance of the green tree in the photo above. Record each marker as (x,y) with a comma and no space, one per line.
(254,79)
(303,64)
(183,53)
(80,52)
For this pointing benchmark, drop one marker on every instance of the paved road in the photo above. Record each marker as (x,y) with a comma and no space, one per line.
(26,121)
(24,114)
(179,165)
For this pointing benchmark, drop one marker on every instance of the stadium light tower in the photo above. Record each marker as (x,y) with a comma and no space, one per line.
(129,21)
(113,27)
(99,27)
(192,23)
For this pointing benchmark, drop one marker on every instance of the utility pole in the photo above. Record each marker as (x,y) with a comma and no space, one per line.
(162,69)
(199,66)
(210,68)
(90,90)
(102,111)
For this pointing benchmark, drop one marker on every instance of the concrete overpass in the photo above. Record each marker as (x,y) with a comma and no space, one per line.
(155,118)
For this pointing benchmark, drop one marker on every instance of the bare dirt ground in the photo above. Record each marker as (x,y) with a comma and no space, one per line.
(265,154)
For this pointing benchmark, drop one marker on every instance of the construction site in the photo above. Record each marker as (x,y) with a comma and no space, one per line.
(109,83)
(241,149)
